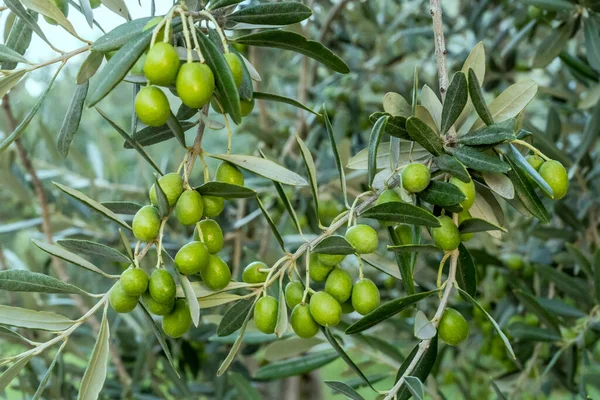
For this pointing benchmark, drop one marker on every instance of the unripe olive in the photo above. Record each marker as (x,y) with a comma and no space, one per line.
(513,261)
(178,321)
(252,274)
(265,314)
(63,6)
(387,196)
(331,259)
(162,286)
(138,67)
(317,270)
(213,205)
(247,106)
(146,224)
(216,275)
(535,161)
(447,236)
(464,215)
(195,84)
(210,234)
(325,310)
(235,65)
(302,321)
(189,207)
(134,281)
(95,3)
(162,64)
(347,307)
(172,186)
(404,233)
(363,238)
(556,177)
(415,177)
(365,296)
(155,307)
(152,106)
(120,301)
(468,190)
(294,291)
(191,258)
(453,328)
(228,173)
(152,23)
(339,284)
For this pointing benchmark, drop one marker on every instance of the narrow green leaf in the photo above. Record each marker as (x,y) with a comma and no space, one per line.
(396,105)
(234,317)
(421,369)
(473,225)
(282,314)
(177,129)
(225,190)
(48,374)
(403,261)
(519,162)
(161,198)
(234,349)
(93,249)
(8,82)
(334,244)
(479,161)
(421,133)
(450,164)
(18,39)
(70,123)
(573,287)
(30,319)
(456,100)
(95,373)
(442,194)
(491,134)
(118,7)
(126,245)
(374,139)
(283,99)
(311,172)
(553,44)
(150,135)
(336,154)
(414,248)
(16,7)
(51,10)
(466,272)
(478,100)
(191,298)
(560,308)
(272,14)
(415,386)
(122,207)
(494,386)
(18,280)
(403,213)
(120,35)
(295,366)
(523,332)
(9,55)
(216,4)
(12,372)
(591,31)
(274,229)
(532,305)
(580,258)
(526,193)
(344,389)
(287,40)
(160,336)
(244,388)
(499,183)
(286,202)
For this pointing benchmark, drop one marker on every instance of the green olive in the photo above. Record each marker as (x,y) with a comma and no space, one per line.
(216,275)
(210,234)
(191,258)
(535,161)
(134,281)
(363,238)
(556,177)
(331,259)
(513,261)
(178,321)
(265,314)
(228,173)
(294,291)
(155,307)
(162,64)
(453,328)
(171,185)
(162,286)
(447,236)
(468,190)
(252,274)
(325,309)
(213,205)
(317,270)
(152,106)
(388,196)
(302,321)
(247,107)
(404,233)
(415,177)
(462,216)
(195,84)
(365,296)
(235,65)
(146,224)
(189,207)
(120,301)
(339,284)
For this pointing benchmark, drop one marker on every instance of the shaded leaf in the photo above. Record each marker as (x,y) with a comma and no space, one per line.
(51,10)
(553,44)
(477,99)
(395,105)
(70,123)
(451,165)
(344,389)
(491,134)
(244,388)
(442,194)
(403,213)
(12,372)
(423,328)
(192,301)
(48,374)
(283,99)
(333,244)
(414,248)
(16,7)
(478,160)
(177,129)
(234,349)
(466,272)
(93,249)
(95,373)
(122,207)
(415,386)
(525,332)
(472,225)
(272,14)
(374,139)
(336,154)
(510,102)
(421,133)
(9,55)
(526,169)
(160,336)
(526,194)
(150,135)
(120,35)
(234,317)
(295,366)
(532,305)
(500,184)
(311,171)
(422,368)
(274,229)
(572,286)
(591,31)
(17,39)
(597,275)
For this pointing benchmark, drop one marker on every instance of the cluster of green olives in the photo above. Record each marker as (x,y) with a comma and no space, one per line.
(553,172)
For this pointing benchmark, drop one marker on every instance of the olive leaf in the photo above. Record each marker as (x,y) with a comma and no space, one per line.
(477,99)
(591,31)
(30,319)
(490,135)
(456,99)
(421,133)
(403,213)
(70,123)
(93,249)
(466,271)
(521,163)
(234,317)
(16,280)
(422,368)
(395,105)
(18,39)
(283,99)
(344,389)
(472,225)
(532,305)
(272,14)
(119,36)
(95,372)
(50,10)
(16,7)
(478,160)
(450,164)
(553,44)
(526,193)
(118,7)
(122,207)
(177,129)
(414,248)
(243,387)
(236,346)
(295,366)
(336,154)
(216,4)
(334,244)
(311,171)
(150,135)
(160,336)
(13,371)
(442,194)
(48,374)
(7,82)
(374,139)
(225,190)
(272,225)
(9,55)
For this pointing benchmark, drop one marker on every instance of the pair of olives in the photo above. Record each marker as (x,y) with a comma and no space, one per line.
(553,172)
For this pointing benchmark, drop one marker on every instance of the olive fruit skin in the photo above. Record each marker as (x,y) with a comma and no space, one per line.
(171,185)
(191,258)
(365,296)
(317,270)
(155,307)
(152,106)
(162,286)
(513,261)
(63,6)
(331,260)
(247,106)
(120,301)
(189,207)
(235,65)
(447,236)
(347,307)
(95,3)
(363,238)
(138,67)
(216,275)
(462,216)
(162,64)
(251,273)
(453,328)
(228,173)
(293,294)
(404,233)
(178,321)
(415,177)
(265,314)
(303,324)
(556,177)
(195,84)
(211,236)
(146,224)
(325,310)
(468,190)
(339,284)
(535,161)
(134,281)
(387,196)
(213,205)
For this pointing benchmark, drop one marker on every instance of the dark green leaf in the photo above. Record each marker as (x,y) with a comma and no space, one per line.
(495,387)
(177,129)
(415,248)
(396,127)
(120,36)
(491,134)
(287,40)
(18,39)
(560,308)
(403,260)
(246,89)
(288,205)
(9,55)
(48,374)
(161,198)
(473,225)
(184,113)
(216,4)
(591,30)
(333,244)
(454,167)
(18,280)
(93,249)
(72,119)
(532,305)
(442,194)
(374,139)
(225,190)
(525,332)
(421,369)
(479,161)
(155,134)
(519,162)
(415,386)
(466,272)
(272,14)
(456,100)
(403,213)
(478,100)
(344,389)
(421,133)
(274,229)
(282,99)
(122,207)
(336,154)
(580,258)
(89,67)
(386,311)
(234,317)
(526,194)
(295,366)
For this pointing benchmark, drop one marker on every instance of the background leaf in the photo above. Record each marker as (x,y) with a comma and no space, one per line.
(95,373)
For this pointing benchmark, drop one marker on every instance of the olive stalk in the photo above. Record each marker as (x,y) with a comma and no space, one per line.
(530,147)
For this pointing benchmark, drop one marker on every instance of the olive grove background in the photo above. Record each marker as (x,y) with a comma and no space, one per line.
(556,43)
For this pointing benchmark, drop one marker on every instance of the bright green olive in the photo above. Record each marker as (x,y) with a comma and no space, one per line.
(162,286)
(155,307)
(556,177)
(387,196)
(191,258)
(317,270)
(464,215)
(134,281)
(63,6)
(363,238)
(453,328)
(162,64)
(325,309)
(265,314)
(415,177)
(447,236)
(120,301)
(213,205)
(235,65)
(294,291)
(331,259)
(195,84)
(171,185)
(535,161)
(468,190)
(178,321)
(339,284)
(216,275)
(404,233)
(228,173)
(365,296)
(302,321)
(212,235)
(189,207)
(247,106)
(252,274)
(95,3)
(513,261)
(347,307)
(152,106)
(146,224)
(138,67)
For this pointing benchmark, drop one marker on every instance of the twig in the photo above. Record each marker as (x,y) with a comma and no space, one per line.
(197,146)
(435,9)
